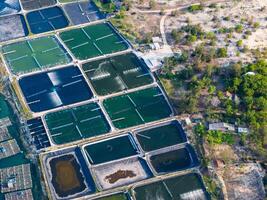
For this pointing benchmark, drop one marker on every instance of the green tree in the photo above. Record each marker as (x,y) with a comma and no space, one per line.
(252,90)
(200,130)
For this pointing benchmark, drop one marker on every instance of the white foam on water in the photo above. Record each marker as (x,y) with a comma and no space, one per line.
(106,36)
(133,70)
(91,118)
(158,196)
(62,126)
(120,83)
(37,93)
(102,64)
(51,49)
(80,45)
(193,195)
(72,83)
(100,75)
(9,52)
(55,99)
(118,119)
(55,78)
(146,74)
(57,134)
(68,40)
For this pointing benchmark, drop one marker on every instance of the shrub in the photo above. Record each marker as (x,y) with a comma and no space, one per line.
(221,53)
(176,36)
(195,7)
(152,4)
(239,28)
(218,137)
(191,39)
(239,43)
(256,25)
(212,5)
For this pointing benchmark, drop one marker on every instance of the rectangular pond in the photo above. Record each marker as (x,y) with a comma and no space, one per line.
(94,40)
(76,123)
(36,54)
(188,186)
(48,19)
(38,133)
(36,4)
(173,159)
(164,135)
(12,27)
(121,173)
(137,108)
(54,88)
(82,12)
(111,149)
(67,174)
(8,7)
(117,73)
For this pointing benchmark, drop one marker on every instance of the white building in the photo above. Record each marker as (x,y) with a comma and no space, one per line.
(155,58)
(221,126)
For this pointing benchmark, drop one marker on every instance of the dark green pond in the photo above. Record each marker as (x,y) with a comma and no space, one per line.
(175,160)
(112,149)
(176,188)
(160,137)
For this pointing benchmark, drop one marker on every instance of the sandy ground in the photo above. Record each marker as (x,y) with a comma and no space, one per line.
(244,182)
(244,12)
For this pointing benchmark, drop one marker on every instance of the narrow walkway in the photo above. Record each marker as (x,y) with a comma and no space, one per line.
(162,28)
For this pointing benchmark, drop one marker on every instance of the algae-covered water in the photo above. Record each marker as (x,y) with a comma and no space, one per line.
(188,186)
(160,137)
